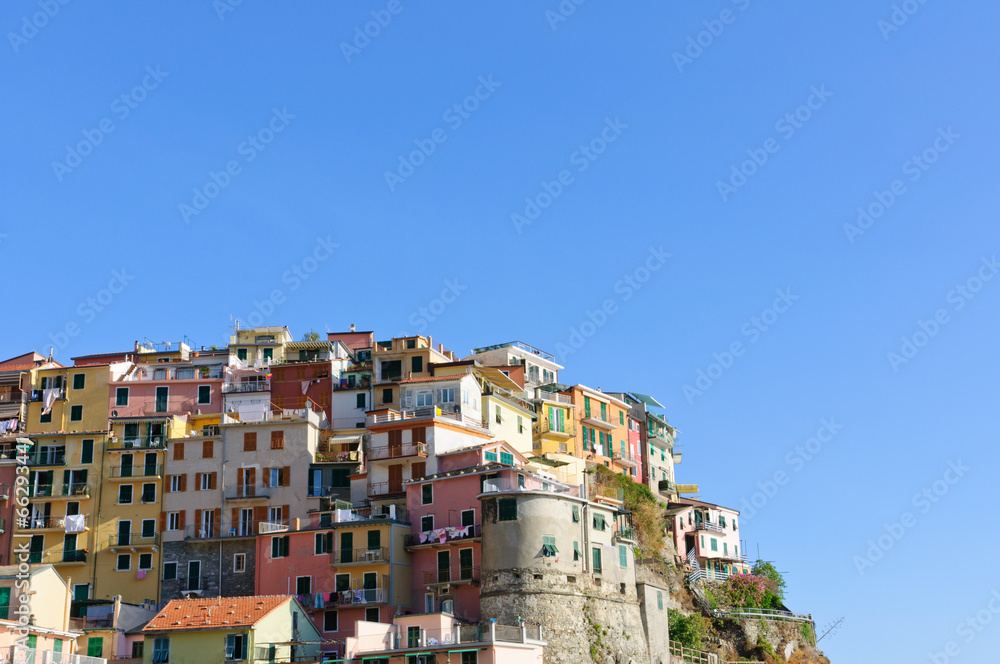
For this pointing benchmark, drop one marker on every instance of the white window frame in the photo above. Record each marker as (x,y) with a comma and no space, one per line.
(139,562)
(131,494)
(425,399)
(239,563)
(173,521)
(203,403)
(175,483)
(447,395)
(118,560)
(206,482)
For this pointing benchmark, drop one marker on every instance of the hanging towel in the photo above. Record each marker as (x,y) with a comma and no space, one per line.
(305,386)
(48,398)
(141,574)
(75,523)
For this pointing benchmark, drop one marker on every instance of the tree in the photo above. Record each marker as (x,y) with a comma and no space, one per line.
(311,335)
(767,570)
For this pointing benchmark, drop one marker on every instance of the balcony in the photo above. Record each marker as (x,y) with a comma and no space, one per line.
(706,525)
(135,472)
(675,455)
(77,490)
(191,584)
(135,540)
(510,484)
(345,384)
(248,492)
(544,427)
(364,596)
(660,439)
(273,526)
(50,523)
(624,460)
(77,556)
(554,397)
(39,490)
(18,653)
(246,386)
(368,556)
(519,345)
(50,457)
(38,395)
(452,576)
(443,536)
(667,487)
(384,489)
(600,423)
(153,443)
(383,513)
(428,412)
(397,451)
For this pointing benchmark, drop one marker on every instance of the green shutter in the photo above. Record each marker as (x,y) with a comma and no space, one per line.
(597,559)
(95,646)
(4,603)
(622,555)
(374,539)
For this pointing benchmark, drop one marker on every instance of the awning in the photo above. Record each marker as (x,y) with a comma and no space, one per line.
(464,650)
(648,400)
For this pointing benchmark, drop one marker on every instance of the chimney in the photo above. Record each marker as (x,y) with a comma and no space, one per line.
(352,327)
(117,610)
(50,353)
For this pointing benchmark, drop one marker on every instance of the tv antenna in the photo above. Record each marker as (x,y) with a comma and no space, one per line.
(832,629)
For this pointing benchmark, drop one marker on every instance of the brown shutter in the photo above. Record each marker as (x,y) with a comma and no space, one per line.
(239,480)
(236,518)
(266,480)
(178,451)
(163,522)
(180,522)
(418,469)
(259,515)
(218,521)
(211,481)
(277,440)
(284,513)
(184,483)
(250,441)
(286,476)
(197,481)
(207,449)
(197,521)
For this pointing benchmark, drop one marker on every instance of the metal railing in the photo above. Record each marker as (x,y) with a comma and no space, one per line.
(35,656)
(126,472)
(397,451)
(429,411)
(529,483)
(139,443)
(133,539)
(42,522)
(543,426)
(51,458)
(385,489)
(761,614)
(36,490)
(667,485)
(361,596)
(455,574)
(273,526)
(38,395)
(379,554)
(246,386)
(554,397)
(80,489)
(191,583)
(443,535)
(247,492)
(74,556)
(384,512)
(704,524)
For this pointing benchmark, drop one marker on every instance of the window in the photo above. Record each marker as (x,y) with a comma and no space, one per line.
(448,395)
(205,481)
(79,380)
(549,549)
(702,541)
(424,399)
(236,647)
(149,493)
(87,450)
(622,555)
(148,528)
(715,544)
(426,523)
(323,543)
(125,494)
(507,508)
(659,600)
(178,451)
(371,615)
(241,354)
(207,449)
(722,520)
(725,548)
(275,477)
(137,649)
(470,657)
(599,522)
(427,494)
(303,585)
(75,413)
(239,562)
(250,441)
(175,483)
(604,412)
(279,547)
(169,571)
(204,394)
(146,561)
(520,424)
(45,417)
(162,399)
(621,417)
(597,560)
(358,403)
(4,603)
(173,520)
(576,514)
(268,354)
(124,562)
(95,646)
(576,551)
(277,440)
(330,621)
(468,517)
(387,395)
(507,458)
(417,364)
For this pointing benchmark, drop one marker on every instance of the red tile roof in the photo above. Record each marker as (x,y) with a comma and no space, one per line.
(214,613)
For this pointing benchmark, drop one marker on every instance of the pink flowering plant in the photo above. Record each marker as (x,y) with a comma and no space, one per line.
(746,590)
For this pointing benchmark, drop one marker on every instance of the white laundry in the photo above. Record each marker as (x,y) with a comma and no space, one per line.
(75,523)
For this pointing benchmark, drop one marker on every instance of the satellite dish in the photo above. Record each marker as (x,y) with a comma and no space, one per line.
(114,413)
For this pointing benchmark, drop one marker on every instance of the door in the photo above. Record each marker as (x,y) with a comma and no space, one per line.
(161,399)
(126,465)
(369,582)
(250,482)
(395,444)
(465,564)
(347,547)
(396,478)
(246,521)
(444,566)
(124,533)
(36,548)
(194,575)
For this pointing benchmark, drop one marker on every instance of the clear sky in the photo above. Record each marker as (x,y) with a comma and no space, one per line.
(634,186)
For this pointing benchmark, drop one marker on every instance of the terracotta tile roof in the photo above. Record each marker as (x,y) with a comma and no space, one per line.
(214,613)
(431,379)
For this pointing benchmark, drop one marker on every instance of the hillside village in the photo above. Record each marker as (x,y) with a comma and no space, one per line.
(343,499)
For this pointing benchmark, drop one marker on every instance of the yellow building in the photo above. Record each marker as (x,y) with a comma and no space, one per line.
(555,430)
(403,358)
(67,422)
(127,551)
(260,346)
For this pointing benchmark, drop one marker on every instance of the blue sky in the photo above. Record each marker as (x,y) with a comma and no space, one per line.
(211,164)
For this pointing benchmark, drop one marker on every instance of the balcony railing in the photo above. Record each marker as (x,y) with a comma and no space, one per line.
(703,524)
(141,443)
(455,574)
(666,486)
(74,556)
(379,554)
(77,489)
(273,526)
(516,344)
(424,412)
(623,459)
(445,535)
(345,384)
(13,397)
(248,492)
(361,596)
(529,483)
(567,428)
(246,386)
(133,539)
(191,583)
(50,522)
(397,451)
(38,490)
(596,420)
(39,395)
(554,397)
(128,472)
(36,656)
(381,513)
(379,489)
(49,458)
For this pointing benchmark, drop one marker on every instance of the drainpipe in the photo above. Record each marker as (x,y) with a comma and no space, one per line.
(97,519)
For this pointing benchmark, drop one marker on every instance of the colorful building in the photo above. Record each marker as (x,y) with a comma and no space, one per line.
(540,367)
(602,436)
(708,537)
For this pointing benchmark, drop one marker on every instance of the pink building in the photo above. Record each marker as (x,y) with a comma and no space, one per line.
(635,448)
(175,388)
(446,520)
(708,537)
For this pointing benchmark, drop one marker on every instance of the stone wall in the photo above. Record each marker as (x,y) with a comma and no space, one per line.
(210,554)
(583,619)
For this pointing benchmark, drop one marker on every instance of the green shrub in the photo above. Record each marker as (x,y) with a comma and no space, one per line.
(807,632)
(689,631)
(767,570)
